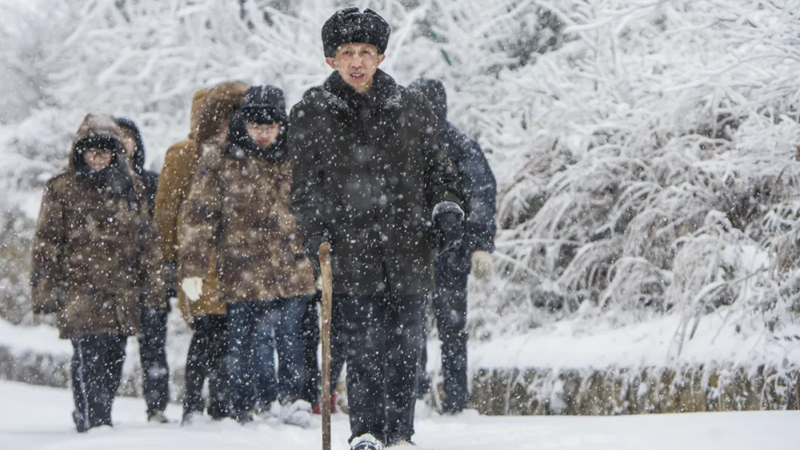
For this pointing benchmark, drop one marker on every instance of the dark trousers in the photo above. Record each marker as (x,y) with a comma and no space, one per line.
(206,359)
(255,330)
(96,373)
(311,335)
(384,336)
(450,311)
(311,342)
(155,371)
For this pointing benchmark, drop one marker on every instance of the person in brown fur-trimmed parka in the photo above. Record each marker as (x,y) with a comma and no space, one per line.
(206,315)
(238,204)
(96,263)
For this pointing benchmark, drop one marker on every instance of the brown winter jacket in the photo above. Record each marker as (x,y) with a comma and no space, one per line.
(96,252)
(180,164)
(239,203)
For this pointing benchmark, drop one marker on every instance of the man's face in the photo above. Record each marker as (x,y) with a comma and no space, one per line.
(264,134)
(97,158)
(356,64)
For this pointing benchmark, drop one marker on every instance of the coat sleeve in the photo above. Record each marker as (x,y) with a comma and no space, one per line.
(47,277)
(173,186)
(308,202)
(479,195)
(201,216)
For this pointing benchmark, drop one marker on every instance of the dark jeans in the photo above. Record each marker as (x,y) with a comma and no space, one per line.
(206,359)
(450,311)
(96,373)
(384,336)
(155,371)
(255,330)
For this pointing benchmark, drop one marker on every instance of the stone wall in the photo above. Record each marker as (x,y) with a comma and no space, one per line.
(535,391)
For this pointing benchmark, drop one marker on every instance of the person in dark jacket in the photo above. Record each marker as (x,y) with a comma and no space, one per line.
(370,179)
(153,335)
(478,189)
(96,263)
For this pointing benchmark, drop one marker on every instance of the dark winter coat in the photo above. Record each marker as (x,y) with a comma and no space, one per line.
(476,182)
(96,252)
(368,175)
(239,203)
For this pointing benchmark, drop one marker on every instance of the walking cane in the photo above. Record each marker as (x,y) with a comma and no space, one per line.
(327,300)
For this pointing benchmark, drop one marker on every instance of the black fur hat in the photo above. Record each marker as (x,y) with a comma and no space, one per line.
(349,25)
(261,105)
(264,104)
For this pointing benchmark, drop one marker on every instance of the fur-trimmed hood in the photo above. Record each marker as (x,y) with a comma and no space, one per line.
(95,128)
(194,117)
(215,112)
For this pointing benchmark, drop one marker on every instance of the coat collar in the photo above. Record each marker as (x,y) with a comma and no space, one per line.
(383,95)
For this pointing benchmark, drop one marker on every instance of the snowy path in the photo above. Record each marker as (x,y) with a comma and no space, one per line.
(35,418)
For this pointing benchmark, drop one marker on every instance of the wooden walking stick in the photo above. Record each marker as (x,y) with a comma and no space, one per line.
(327,300)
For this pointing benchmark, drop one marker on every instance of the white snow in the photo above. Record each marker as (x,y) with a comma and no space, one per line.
(35,418)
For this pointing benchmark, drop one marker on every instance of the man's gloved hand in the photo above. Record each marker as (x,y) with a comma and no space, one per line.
(192,287)
(312,244)
(449,229)
(482,264)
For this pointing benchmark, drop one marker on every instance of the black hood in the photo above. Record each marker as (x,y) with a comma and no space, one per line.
(115,177)
(348,26)
(262,105)
(434,91)
(138,154)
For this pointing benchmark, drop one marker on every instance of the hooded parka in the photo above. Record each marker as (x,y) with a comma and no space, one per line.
(96,253)
(180,165)
(238,203)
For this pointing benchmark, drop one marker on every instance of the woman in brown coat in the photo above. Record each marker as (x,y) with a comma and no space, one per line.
(206,315)
(96,262)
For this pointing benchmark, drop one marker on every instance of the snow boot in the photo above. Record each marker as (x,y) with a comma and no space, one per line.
(298,414)
(188,418)
(81,424)
(402,444)
(366,442)
(243,417)
(157,417)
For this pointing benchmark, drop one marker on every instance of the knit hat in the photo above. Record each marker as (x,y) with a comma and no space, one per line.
(351,26)
(261,105)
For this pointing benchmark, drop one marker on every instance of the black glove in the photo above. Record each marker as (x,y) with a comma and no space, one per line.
(171,278)
(449,230)
(312,251)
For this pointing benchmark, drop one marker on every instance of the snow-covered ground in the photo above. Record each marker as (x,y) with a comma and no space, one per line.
(35,418)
